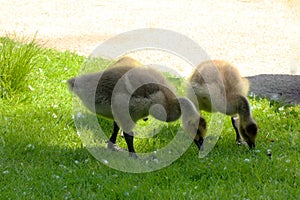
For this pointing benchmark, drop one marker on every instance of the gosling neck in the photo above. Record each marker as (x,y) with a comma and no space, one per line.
(243,109)
(188,109)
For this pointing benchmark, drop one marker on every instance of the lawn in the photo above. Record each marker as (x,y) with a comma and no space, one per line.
(42,156)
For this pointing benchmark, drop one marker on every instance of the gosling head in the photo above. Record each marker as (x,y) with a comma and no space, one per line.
(249,132)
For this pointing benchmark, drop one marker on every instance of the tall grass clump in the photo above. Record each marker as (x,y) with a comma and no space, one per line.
(17,59)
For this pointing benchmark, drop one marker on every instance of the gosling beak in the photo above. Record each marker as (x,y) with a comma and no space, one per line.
(199,143)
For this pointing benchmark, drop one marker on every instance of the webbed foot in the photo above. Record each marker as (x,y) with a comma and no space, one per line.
(114,147)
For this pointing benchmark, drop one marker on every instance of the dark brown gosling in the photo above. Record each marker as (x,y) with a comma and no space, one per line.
(145,91)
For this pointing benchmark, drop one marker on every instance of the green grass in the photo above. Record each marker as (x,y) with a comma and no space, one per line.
(42,157)
(17,60)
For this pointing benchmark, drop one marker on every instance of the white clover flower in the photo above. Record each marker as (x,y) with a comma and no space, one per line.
(55,176)
(281,108)
(62,166)
(79,115)
(30,88)
(78,133)
(105,161)
(54,115)
(30,147)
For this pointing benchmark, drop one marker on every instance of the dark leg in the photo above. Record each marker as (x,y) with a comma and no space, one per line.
(113,137)
(112,140)
(235,124)
(129,141)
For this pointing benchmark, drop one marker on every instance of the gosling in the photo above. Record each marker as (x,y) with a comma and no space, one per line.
(219,87)
(145,91)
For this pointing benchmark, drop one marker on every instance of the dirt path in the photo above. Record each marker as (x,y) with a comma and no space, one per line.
(258,36)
